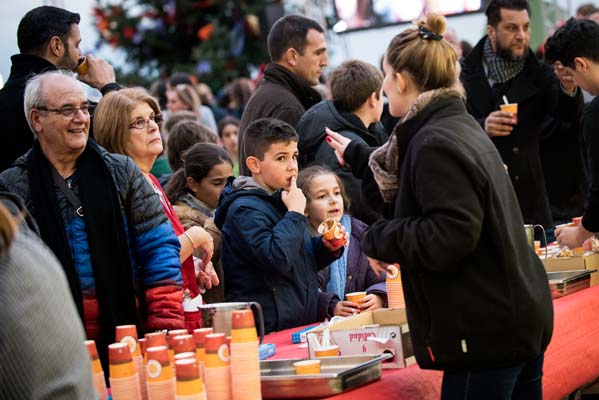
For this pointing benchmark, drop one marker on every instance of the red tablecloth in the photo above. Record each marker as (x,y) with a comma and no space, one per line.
(571,360)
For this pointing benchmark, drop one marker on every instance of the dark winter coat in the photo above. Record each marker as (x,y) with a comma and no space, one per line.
(544,112)
(476,293)
(314,150)
(17,137)
(268,255)
(590,152)
(281,95)
(359,277)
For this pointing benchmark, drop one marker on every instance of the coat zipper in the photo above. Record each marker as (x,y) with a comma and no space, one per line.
(430,351)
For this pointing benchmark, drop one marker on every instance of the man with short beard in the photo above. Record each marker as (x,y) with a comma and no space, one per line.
(48,39)
(549,107)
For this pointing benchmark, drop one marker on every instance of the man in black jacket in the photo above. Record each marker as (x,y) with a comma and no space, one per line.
(354,112)
(574,46)
(501,64)
(298,54)
(48,39)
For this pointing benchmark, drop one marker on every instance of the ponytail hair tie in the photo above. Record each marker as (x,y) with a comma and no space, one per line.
(428,35)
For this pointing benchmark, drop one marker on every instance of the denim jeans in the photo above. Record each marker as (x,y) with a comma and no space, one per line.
(522,381)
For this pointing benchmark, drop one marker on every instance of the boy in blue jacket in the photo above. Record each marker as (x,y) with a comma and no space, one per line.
(268,255)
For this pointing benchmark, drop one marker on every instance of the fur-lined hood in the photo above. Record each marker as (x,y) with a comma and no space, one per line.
(384,161)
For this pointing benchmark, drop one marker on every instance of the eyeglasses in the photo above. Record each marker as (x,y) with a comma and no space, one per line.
(66,111)
(141,123)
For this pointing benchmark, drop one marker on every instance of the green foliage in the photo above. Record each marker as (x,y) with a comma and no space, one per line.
(218,40)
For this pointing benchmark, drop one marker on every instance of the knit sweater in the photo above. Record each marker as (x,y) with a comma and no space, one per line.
(41,336)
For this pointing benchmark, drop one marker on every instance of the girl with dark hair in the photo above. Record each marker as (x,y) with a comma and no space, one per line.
(228,131)
(194,191)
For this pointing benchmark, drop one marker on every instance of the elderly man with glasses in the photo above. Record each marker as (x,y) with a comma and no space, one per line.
(98,215)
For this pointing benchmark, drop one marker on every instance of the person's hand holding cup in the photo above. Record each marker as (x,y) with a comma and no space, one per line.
(355,299)
(501,122)
(511,108)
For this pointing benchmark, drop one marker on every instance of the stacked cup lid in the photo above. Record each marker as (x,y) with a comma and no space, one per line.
(172,334)
(184,344)
(245,357)
(128,334)
(97,372)
(395,296)
(124,383)
(183,356)
(160,379)
(217,369)
(189,382)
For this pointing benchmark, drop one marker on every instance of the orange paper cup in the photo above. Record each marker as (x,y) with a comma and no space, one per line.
(128,334)
(93,356)
(155,339)
(189,382)
(327,351)
(355,296)
(82,68)
(329,228)
(159,367)
(184,344)
(307,367)
(511,108)
(217,351)
(120,361)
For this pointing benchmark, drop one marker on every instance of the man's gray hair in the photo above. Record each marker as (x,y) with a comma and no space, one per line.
(33,97)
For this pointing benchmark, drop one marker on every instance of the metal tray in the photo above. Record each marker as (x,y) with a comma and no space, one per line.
(337,375)
(568,282)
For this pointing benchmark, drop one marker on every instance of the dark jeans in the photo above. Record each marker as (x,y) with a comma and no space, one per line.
(519,382)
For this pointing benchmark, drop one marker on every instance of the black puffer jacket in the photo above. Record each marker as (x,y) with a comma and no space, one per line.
(476,293)
(314,150)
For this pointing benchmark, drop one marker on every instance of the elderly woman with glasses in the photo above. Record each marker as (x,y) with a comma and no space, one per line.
(128,122)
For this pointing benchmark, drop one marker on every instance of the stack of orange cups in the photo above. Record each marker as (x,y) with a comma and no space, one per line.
(184,344)
(182,356)
(189,382)
(143,344)
(245,357)
(217,368)
(123,378)
(171,340)
(199,337)
(154,339)
(395,296)
(128,334)
(160,378)
(97,372)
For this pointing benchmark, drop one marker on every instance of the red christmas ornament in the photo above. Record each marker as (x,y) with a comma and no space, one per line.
(128,32)
(205,32)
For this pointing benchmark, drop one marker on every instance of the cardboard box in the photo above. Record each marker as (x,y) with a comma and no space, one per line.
(355,337)
(574,263)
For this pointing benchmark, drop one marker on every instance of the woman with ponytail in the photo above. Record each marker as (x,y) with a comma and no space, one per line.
(194,191)
(477,299)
